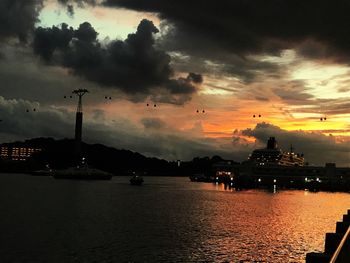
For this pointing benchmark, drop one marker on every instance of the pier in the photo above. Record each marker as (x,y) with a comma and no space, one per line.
(337,245)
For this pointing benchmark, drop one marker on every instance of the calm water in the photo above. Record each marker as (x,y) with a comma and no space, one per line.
(165,220)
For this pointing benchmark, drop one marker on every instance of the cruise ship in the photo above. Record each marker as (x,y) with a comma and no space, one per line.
(274,155)
(271,166)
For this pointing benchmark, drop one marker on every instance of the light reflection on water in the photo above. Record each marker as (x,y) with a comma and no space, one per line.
(165,220)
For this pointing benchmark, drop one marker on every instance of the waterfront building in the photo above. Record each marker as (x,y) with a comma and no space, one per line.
(17,153)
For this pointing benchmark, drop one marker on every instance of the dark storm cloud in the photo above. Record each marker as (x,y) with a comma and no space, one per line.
(292,92)
(22,77)
(318,148)
(163,144)
(70,10)
(323,107)
(133,66)
(18,18)
(18,124)
(153,123)
(80,3)
(331,107)
(249,69)
(292,95)
(184,85)
(340,107)
(196,78)
(69,4)
(47,40)
(259,98)
(253,26)
(19,120)
(219,62)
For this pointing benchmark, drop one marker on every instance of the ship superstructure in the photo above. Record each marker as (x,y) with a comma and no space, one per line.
(271,167)
(272,155)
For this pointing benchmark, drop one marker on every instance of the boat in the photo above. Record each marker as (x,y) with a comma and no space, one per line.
(274,163)
(271,166)
(82,173)
(269,162)
(201,178)
(136,180)
(272,155)
(47,171)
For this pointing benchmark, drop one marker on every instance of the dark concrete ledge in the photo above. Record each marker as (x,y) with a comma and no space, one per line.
(337,245)
(314,257)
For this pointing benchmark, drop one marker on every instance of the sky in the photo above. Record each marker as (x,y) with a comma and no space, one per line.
(287,61)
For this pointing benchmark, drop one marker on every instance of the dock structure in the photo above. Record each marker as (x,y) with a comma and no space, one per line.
(337,245)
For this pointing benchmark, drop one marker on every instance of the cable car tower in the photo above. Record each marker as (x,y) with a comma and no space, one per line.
(79,120)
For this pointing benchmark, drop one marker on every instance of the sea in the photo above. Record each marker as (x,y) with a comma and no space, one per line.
(168,219)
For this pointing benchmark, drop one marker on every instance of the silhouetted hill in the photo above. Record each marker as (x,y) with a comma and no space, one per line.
(60,154)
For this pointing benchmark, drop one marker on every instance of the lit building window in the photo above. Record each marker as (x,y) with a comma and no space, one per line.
(17,153)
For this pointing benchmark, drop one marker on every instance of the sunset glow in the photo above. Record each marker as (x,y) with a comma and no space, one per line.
(299,85)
